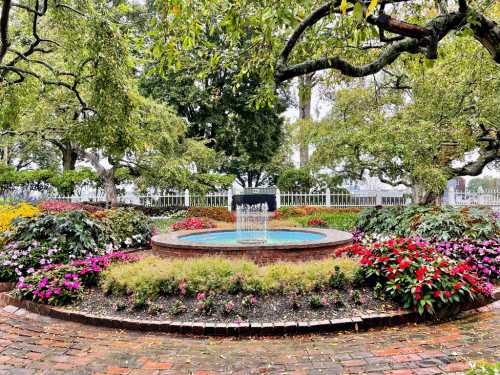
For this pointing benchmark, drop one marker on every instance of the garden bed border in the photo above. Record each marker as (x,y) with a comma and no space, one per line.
(357,323)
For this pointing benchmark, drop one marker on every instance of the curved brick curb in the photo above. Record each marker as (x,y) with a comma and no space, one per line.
(357,323)
(7,287)
(171,245)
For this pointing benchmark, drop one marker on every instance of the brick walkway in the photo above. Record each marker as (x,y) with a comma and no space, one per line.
(31,344)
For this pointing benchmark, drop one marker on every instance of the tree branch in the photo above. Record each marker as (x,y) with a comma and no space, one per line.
(4,28)
(436,29)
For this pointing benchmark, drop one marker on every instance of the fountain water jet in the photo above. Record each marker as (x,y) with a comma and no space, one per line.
(251,223)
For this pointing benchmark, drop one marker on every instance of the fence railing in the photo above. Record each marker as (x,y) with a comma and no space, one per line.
(344,200)
(474,198)
(224,199)
(326,198)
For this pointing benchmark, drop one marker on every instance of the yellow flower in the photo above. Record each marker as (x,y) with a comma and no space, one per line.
(10,212)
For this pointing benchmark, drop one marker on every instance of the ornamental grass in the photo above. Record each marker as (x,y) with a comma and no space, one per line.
(154,276)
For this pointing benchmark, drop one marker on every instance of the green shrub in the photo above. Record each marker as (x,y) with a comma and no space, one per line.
(485,369)
(35,242)
(154,276)
(130,228)
(437,223)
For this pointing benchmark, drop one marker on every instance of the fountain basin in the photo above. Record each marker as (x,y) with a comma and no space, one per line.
(282,244)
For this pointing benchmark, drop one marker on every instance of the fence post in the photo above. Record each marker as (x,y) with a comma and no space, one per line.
(452,199)
(186,198)
(278,198)
(328,197)
(229,199)
(378,198)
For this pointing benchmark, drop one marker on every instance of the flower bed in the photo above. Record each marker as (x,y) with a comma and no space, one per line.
(61,237)
(214,213)
(192,223)
(62,206)
(317,222)
(59,284)
(483,256)
(418,276)
(8,213)
(222,290)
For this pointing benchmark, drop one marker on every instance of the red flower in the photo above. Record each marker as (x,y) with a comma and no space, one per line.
(418,297)
(420,273)
(457,286)
(404,264)
(447,294)
(437,294)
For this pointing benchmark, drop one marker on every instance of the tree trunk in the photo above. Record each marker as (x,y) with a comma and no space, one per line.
(69,157)
(305,92)
(421,196)
(110,187)
(6,155)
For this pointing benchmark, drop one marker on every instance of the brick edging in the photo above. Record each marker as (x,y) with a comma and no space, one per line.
(6,287)
(356,323)
(218,329)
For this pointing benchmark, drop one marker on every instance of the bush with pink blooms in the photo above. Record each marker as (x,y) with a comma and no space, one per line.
(483,256)
(193,223)
(62,206)
(60,284)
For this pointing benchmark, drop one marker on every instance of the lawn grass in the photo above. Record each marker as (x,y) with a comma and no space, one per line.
(337,220)
(163,225)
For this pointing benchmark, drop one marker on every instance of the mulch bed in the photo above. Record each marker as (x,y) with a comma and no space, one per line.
(267,309)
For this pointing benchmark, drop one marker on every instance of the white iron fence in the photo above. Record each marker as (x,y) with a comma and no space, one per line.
(224,199)
(326,198)
(344,200)
(480,197)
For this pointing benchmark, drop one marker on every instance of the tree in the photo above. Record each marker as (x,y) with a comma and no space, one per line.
(247,139)
(484,183)
(436,129)
(306,85)
(295,38)
(105,121)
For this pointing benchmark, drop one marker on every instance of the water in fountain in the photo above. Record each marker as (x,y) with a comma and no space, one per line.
(251,223)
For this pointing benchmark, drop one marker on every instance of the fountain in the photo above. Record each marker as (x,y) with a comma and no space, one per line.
(252,239)
(251,223)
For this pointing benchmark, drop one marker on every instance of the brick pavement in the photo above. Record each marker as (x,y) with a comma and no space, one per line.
(33,344)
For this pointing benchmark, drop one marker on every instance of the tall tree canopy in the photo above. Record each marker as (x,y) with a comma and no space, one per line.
(444,124)
(292,38)
(246,139)
(76,88)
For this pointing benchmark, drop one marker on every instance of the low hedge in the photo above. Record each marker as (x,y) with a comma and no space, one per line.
(146,210)
(153,276)
(299,211)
